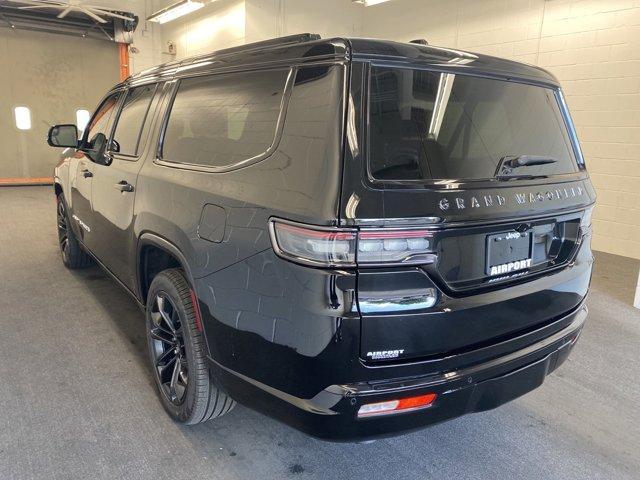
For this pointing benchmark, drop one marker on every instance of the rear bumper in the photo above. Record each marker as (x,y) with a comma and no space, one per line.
(332,413)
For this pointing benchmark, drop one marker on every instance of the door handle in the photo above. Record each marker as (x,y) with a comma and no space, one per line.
(86,173)
(124,186)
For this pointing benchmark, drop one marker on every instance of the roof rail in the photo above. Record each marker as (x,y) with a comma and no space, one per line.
(297,38)
(273,42)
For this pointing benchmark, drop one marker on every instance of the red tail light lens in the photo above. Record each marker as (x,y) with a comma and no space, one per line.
(314,246)
(338,247)
(396,406)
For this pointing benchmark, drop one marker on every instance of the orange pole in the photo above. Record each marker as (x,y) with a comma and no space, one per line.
(7,182)
(123,50)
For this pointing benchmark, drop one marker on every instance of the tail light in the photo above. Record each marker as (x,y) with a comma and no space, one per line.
(346,247)
(314,246)
(396,406)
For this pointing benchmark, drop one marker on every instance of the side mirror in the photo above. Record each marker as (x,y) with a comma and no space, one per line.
(63,136)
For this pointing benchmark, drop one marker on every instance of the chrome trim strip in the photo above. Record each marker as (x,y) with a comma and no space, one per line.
(416,221)
(442,225)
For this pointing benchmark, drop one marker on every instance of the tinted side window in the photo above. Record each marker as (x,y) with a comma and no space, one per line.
(311,136)
(99,128)
(224,119)
(102,118)
(132,117)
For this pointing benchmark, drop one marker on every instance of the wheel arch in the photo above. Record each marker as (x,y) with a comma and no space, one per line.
(167,255)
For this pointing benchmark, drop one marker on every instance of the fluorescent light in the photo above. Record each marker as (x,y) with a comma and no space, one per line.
(82,118)
(369,3)
(176,10)
(23,118)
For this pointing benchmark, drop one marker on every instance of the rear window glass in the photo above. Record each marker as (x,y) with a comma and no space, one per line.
(224,119)
(428,125)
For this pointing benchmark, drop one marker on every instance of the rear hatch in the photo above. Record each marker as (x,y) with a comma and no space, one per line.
(490,168)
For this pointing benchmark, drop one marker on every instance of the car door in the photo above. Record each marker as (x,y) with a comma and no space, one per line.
(84,165)
(114,184)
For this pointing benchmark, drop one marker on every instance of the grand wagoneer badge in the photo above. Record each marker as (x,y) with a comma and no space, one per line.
(489,201)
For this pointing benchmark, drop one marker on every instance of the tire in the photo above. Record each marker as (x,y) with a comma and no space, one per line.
(73,256)
(185,386)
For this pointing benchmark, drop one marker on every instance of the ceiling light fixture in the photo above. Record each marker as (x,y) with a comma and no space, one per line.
(176,10)
(369,3)
(66,7)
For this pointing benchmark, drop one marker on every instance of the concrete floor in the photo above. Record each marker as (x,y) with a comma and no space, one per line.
(77,399)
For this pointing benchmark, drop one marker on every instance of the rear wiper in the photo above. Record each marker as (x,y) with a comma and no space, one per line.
(508,163)
(519,177)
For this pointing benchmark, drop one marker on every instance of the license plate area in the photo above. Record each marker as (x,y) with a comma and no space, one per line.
(508,253)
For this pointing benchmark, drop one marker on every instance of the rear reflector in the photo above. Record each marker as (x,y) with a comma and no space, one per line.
(396,406)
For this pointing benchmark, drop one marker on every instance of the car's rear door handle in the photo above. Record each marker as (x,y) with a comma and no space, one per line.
(86,173)
(124,186)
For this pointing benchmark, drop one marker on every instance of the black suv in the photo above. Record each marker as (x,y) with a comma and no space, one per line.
(356,237)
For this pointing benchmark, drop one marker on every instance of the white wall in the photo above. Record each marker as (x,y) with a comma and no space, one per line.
(329,18)
(219,24)
(146,38)
(227,23)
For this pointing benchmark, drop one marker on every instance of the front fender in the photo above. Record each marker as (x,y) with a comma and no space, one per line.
(62,174)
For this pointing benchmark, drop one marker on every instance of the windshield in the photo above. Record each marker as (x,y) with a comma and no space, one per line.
(426,125)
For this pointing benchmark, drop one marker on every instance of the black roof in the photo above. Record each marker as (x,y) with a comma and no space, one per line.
(310,48)
(447,58)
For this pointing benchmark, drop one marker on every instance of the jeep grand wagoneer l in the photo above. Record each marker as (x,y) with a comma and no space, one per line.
(356,237)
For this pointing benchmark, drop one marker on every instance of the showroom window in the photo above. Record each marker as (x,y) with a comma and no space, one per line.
(23,118)
(128,130)
(218,121)
(82,119)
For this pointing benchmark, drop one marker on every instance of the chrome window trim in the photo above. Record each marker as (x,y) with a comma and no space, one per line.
(571,129)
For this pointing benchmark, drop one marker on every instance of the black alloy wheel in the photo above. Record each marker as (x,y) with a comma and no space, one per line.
(178,352)
(63,237)
(167,339)
(73,256)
